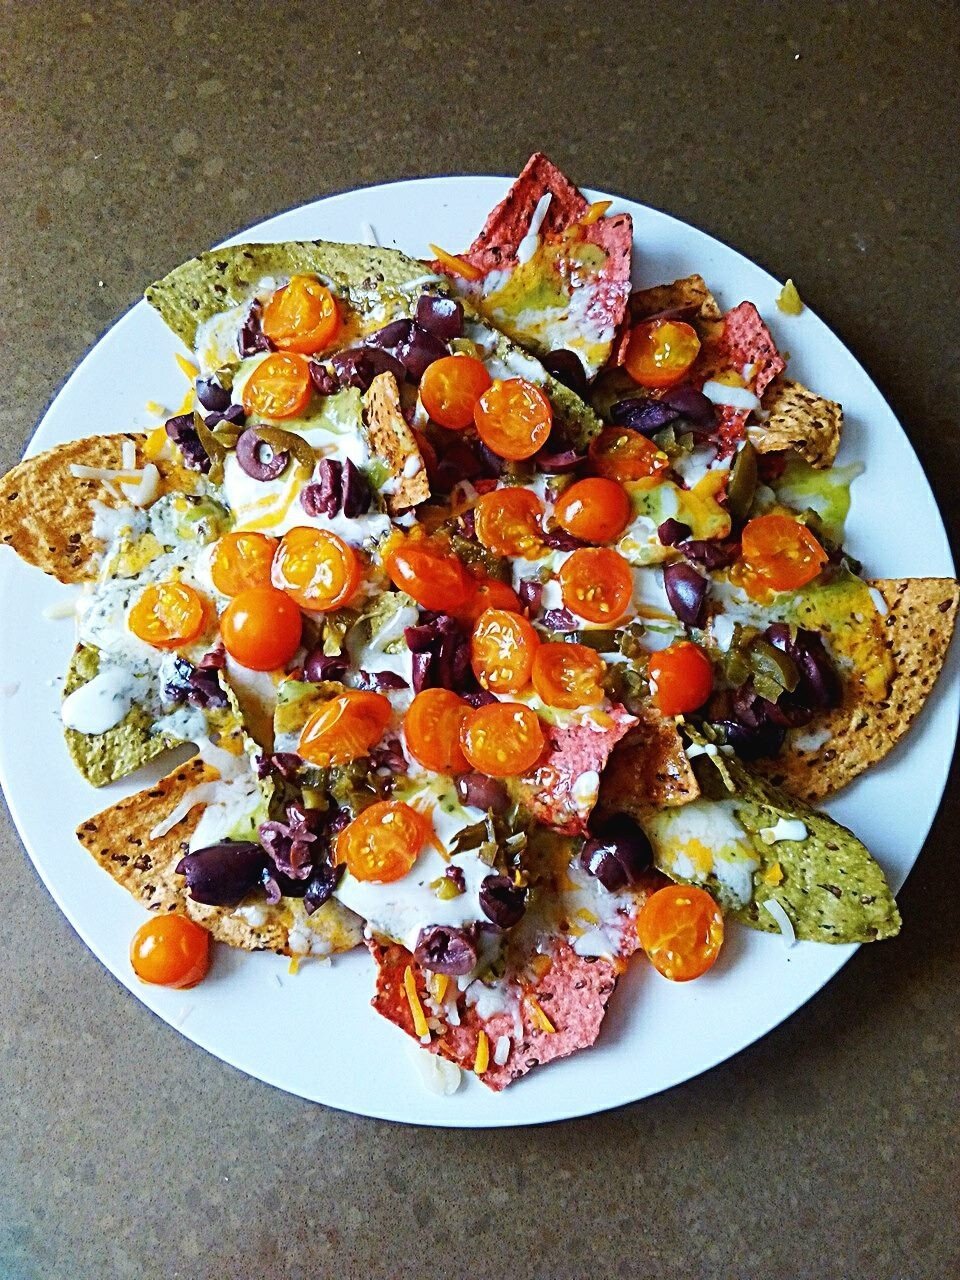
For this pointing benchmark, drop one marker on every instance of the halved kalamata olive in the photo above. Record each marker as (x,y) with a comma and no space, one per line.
(482,792)
(765,739)
(258,459)
(642,414)
(478,697)
(443,317)
(531,593)
(320,886)
(671,531)
(320,666)
(212,396)
(567,368)
(559,620)
(419,352)
(391,337)
(819,686)
(502,901)
(686,590)
(252,338)
(322,497)
(692,405)
(445,950)
(354,490)
(558,463)
(233,415)
(223,874)
(324,382)
(710,554)
(381,681)
(618,854)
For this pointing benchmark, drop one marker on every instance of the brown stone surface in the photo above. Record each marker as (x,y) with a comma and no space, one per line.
(819,139)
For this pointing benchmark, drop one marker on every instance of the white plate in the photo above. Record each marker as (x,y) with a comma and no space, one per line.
(315,1034)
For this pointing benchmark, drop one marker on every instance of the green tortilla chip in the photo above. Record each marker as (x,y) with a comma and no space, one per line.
(829,885)
(105,757)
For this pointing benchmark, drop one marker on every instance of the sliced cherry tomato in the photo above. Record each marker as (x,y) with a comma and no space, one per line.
(242,560)
(508,522)
(513,418)
(683,677)
(279,387)
(432,727)
(568,675)
(302,316)
(502,648)
(596,583)
(661,352)
(450,389)
(490,594)
(170,951)
(316,568)
(168,615)
(345,727)
(432,575)
(502,739)
(779,553)
(680,928)
(620,453)
(595,510)
(260,628)
(383,842)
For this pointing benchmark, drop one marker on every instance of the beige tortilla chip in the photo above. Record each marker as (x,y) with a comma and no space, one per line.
(119,839)
(799,420)
(648,769)
(392,441)
(45,511)
(689,294)
(917,631)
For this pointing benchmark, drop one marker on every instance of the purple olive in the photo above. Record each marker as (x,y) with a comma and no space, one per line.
(250,449)
(252,338)
(531,593)
(765,739)
(319,888)
(819,687)
(223,874)
(642,414)
(502,901)
(567,368)
(482,792)
(419,352)
(686,590)
(558,463)
(354,490)
(618,854)
(559,620)
(325,383)
(212,396)
(711,554)
(692,405)
(381,680)
(443,317)
(444,950)
(323,496)
(320,666)
(673,531)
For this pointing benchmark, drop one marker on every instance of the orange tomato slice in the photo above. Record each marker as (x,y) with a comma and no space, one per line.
(345,728)
(620,453)
(168,615)
(316,568)
(170,951)
(596,584)
(502,739)
(513,418)
(778,553)
(595,510)
(261,628)
(490,594)
(450,389)
(683,676)
(242,560)
(661,352)
(383,842)
(502,648)
(302,316)
(508,522)
(279,386)
(680,928)
(433,576)
(568,675)
(432,727)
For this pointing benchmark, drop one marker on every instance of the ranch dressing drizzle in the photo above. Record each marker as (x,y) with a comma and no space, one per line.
(101,703)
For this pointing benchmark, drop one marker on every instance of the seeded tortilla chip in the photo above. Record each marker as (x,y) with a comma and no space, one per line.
(119,839)
(391,440)
(917,631)
(650,767)
(689,295)
(572,994)
(799,420)
(225,278)
(45,511)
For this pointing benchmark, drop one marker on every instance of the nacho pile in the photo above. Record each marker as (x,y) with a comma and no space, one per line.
(508,612)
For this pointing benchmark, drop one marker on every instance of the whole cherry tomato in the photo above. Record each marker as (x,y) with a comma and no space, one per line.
(683,677)
(432,575)
(595,510)
(450,389)
(170,950)
(261,628)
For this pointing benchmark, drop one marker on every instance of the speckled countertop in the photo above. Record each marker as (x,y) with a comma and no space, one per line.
(819,139)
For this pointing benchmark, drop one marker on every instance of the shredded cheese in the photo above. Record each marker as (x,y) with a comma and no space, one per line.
(482,1060)
(438,985)
(106,474)
(783,921)
(773,875)
(128,455)
(156,444)
(595,212)
(294,965)
(501,1051)
(539,1017)
(147,491)
(416,1008)
(456,265)
(187,367)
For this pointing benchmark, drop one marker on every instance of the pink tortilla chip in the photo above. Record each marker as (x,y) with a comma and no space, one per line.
(573,995)
(507,224)
(744,340)
(556,793)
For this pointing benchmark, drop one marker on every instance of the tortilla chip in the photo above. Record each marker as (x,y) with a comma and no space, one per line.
(393,443)
(573,995)
(689,295)
(650,767)
(119,839)
(799,420)
(917,631)
(225,278)
(128,746)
